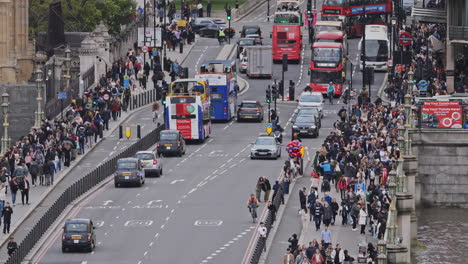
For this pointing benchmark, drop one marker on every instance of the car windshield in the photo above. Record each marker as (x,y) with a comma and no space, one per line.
(126,165)
(246,42)
(265,141)
(304,119)
(327,54)
(251,31)
(311,98)
(144,156)
(249,105)
(168,136)
(308,111)
(76,228)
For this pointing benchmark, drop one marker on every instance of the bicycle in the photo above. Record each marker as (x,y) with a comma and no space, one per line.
(253,212)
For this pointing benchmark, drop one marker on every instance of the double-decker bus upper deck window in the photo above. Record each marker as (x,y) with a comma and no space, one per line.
(334,3)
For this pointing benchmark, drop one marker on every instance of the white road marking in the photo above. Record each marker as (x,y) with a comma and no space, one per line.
(151,244)
(191,191)
(229,160)
(225,127)
(233,165)
(146,253)
(157,234)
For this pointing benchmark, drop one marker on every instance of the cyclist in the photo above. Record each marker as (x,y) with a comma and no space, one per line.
(155,111)
(331,92)
(252,204)
(221,36)
(307,88)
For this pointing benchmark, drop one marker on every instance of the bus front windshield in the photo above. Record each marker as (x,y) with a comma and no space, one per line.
(325,76)
(376,50)
(333,3)
(326,55)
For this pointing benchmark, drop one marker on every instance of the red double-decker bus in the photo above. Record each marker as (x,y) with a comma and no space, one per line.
(378,12)
(328,64)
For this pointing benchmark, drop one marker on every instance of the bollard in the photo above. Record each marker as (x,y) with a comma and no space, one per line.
(181,46)
(120,132)
(138,131)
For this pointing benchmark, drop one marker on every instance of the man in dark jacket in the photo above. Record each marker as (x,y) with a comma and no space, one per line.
(318,211)
(327,214)
(34,171)
(7,212)
(266,188)
(303,199)
(12,246)
(24,186)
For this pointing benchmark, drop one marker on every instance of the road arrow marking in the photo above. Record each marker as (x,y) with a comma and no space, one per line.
(176,181)
(107,202)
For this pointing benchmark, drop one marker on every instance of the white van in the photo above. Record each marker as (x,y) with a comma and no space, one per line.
(377,47)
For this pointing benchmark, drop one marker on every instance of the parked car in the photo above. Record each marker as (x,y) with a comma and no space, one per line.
(129,171)
(309,111)
(250,110)
(243,66)
(171,142)
(251,30)
(211,31)
(305,126)
(151,165)
(265,147)
(244,42)
(78,233)
(312,99)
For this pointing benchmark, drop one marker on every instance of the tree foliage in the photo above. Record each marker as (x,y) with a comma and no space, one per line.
(82,15)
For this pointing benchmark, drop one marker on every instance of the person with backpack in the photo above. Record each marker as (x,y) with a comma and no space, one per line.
(14,187)
(81,139)
(34,171)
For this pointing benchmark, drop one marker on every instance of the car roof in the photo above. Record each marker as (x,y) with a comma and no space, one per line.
(249,102)
(170,131)
(311,93)
(145,152)
(78,220)
(332,34)
(251,26)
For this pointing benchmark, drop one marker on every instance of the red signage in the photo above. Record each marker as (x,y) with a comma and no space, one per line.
(441,114)
(144,49)
(405,38)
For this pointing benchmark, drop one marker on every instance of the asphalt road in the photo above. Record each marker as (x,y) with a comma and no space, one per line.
(196,212)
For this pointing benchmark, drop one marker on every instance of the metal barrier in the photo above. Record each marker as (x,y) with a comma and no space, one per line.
(139,100)
(261,243)
(76,190)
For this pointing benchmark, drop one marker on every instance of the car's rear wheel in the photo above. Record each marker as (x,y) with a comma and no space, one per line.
(139,184)
(157,173)
(116,185)
(64,250)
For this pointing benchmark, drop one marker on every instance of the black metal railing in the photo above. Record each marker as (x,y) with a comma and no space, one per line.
(74,191)
(88,78)
(142,99)
(261,243)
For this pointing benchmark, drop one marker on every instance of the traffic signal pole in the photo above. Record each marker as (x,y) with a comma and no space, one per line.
(363,46)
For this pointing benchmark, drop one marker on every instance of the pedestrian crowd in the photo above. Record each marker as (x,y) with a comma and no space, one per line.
(349,183)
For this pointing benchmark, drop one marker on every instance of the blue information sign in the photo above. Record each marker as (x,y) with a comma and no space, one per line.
(422,85)
(369,9)
(126,82)
(62,96)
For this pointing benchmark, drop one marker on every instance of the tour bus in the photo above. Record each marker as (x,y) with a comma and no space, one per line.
(377,47)
(188,108)
(328,64)
(222,79)
(287,39)
(333,36)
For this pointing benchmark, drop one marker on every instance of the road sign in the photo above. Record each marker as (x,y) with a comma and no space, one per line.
(144,49)
(62,96)
(422,85)
(106,97)
(405,38)
(269,128)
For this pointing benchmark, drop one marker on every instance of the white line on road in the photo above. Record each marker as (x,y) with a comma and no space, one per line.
(223,172)
(225,127)
(229,160)
(162,226)
(241,160)
(222,165)
(233,165)
(146,253)
(191,191)
(84,262)
(157,234)
(151,244)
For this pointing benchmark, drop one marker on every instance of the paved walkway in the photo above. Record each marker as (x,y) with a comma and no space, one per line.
(38,193)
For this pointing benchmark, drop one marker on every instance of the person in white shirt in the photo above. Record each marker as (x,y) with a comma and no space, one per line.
(262,233)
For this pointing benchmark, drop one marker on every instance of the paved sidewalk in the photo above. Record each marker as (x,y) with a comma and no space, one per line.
(39,193)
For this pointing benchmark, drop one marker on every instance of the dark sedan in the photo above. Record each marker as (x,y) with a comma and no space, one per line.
(305,126)
(78,234)
(250,110)
(212,30)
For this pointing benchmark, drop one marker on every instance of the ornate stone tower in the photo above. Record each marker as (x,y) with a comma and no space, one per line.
(16,51)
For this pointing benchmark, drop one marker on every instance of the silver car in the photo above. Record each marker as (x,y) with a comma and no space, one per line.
(151,165)
(265,147)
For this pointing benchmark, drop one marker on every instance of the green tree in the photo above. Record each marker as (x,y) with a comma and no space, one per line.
(83,15)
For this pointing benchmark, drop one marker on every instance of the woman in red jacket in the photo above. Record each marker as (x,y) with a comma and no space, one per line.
(342,186)
(317,258)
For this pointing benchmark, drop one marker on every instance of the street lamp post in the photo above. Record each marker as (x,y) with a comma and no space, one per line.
(392,44)
(363,58)
(268,10)
(5,105)
(39,113)
(67,62)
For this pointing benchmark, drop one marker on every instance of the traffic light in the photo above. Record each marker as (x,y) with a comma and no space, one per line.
(163,100)
(274,92)
(268,94)
(228,13)
(309,7)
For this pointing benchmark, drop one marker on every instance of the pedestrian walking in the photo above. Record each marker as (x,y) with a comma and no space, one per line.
(52,172)
(266,188)
(335,207)
(305,223)
(12,246)
(363,219)
(327,214)
(6,213)
(276,190)
(24,187)
(208,9)
(293,242)
(318,210)
(14,186)
(46,174)
(259,188)
(330,92)
(288,258)
(272,209)
(303,199)
(337,255)
(262,233)
(317,258)
(355,209)
(326,237)
(34,170)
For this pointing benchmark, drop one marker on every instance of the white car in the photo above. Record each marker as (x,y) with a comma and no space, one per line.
(312,99)
(243,62)
(151,165)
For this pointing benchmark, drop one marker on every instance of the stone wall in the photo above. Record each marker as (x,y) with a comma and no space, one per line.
(23,104)
(442,166)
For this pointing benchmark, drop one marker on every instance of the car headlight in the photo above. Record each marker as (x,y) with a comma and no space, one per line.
(312,127)
(295,127)
(252,150)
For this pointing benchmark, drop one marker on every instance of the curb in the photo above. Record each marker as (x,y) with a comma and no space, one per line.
(47,192)
(243,88)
